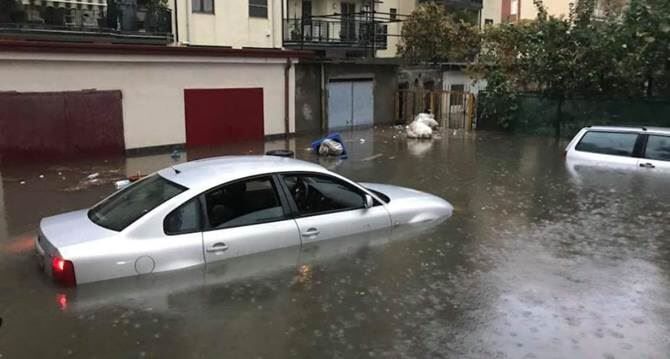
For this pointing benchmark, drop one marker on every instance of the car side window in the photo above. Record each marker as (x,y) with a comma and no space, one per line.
(185,219)
(608,143)
(243,203)
(658,148)
(318,194)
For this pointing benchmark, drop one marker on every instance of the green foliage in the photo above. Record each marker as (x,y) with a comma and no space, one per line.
(622,55)
(432,35)
(500,103)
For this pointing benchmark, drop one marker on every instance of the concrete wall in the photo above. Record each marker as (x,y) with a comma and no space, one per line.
(492,9)
(556,8)
(230,25)
(152,86)
(461,78)
(308,98)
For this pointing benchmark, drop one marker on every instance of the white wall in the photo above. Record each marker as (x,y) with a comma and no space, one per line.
(491,9)
(152,86)
(230,25)
(460,78)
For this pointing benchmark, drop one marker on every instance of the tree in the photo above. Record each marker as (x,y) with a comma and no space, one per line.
(645,35)
(11,11)
(432,35)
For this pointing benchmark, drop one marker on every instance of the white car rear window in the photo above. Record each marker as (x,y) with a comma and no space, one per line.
(608,143)
(658,148)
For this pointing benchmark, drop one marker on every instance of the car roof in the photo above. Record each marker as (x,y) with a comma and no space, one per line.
(660,130)
(209,172)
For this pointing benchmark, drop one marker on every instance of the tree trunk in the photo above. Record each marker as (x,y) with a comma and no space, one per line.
(559,117)
(650,86)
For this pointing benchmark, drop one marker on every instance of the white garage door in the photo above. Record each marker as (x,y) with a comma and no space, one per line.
(350,103)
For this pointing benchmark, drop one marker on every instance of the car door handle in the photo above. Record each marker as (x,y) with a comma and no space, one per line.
(311,232)
(217,247)
(647,165)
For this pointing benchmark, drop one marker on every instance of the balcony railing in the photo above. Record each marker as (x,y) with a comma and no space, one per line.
(92,23)
(318,33)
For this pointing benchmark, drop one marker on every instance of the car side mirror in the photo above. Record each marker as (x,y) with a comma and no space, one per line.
(369,202)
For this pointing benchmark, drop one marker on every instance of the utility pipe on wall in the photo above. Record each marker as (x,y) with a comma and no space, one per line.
(287,77)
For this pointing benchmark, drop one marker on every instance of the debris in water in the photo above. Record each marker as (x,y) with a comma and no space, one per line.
(370,158)
(422,126)
(22,182)
(362,140)
(93,175)
(41,176)
(330,147)
(60,173)
(122,183)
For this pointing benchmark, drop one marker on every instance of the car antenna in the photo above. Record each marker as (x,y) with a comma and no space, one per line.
(176,171)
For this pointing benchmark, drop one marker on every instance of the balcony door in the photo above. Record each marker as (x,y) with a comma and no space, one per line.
(348,15)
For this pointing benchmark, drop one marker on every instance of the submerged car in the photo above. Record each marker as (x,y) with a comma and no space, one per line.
(206,211)
(643,148)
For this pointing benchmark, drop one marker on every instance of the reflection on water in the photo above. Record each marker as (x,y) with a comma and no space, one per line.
(540,260)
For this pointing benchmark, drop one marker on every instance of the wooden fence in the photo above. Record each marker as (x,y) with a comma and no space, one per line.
(451,109)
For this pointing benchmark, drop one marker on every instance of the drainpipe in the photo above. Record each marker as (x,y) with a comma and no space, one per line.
(323,98)
(287,75)
(176,22)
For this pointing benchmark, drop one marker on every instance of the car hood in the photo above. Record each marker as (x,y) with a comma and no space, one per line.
(411,206)
(72,228)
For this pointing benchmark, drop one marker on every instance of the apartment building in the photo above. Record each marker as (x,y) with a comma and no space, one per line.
(515,10)
(125,75)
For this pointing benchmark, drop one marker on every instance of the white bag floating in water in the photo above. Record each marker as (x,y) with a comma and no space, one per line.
(422,126)
(330,148)
(427,119)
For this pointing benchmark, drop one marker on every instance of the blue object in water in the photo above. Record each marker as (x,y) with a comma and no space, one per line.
(333,136)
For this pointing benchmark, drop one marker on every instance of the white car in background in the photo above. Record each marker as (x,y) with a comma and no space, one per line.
(641,148)
(207,211)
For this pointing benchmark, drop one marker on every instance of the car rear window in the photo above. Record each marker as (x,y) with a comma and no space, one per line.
(658,148)
(131,203)
(608,143)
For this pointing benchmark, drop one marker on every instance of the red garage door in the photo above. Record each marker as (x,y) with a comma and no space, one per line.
(220,116)
(60,124)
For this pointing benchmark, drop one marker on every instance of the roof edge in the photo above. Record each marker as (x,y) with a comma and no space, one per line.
(155,50)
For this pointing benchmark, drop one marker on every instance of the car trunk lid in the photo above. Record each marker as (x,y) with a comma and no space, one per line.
(70,228)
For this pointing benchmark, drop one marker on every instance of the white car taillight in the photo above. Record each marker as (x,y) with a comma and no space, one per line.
(63,272)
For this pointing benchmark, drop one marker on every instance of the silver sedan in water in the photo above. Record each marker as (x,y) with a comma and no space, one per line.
(207,211)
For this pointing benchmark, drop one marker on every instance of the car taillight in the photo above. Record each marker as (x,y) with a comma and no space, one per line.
(63,271)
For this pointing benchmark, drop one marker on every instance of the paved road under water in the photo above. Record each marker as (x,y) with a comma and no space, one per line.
(538,261)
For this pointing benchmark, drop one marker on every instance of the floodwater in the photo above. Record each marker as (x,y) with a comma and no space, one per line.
(539,260)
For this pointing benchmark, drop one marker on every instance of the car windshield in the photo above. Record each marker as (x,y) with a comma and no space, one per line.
(131,203)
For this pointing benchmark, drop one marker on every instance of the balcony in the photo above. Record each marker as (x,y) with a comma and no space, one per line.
(115,21)
(323,34)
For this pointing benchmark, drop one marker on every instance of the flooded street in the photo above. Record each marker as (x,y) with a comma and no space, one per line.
(540,260)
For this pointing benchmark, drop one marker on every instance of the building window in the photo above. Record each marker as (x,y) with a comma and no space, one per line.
(203,6)
(258,8)
(488,21)
(514,7)
(393,14)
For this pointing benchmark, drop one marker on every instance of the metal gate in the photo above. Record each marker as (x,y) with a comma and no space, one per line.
(60,124)
(350,103)
(222,116)
(452,109)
